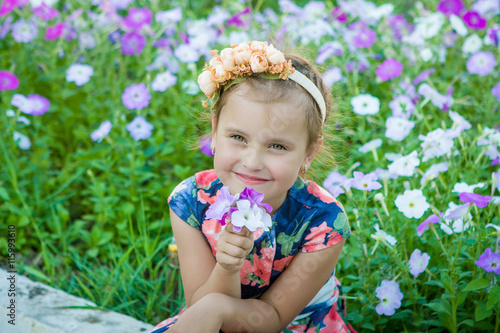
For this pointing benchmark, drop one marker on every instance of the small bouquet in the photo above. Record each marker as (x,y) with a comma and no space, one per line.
(244,209)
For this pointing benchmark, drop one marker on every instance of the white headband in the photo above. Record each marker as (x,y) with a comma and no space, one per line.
(312,89)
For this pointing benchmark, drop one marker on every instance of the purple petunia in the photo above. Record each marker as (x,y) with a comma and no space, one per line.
(137,17)
(422,227)
(24,31)
(206,146)
(448,7)
(101,132)
(390,297)
(136,96)
(423,76)
(364,182)
(45,12)
(418,262)
(219,208)
(389,69)
(479,200)
(55,31)
(139,128)
(495,91)
(39,104)
(365,38)
(474,21)
(489,261)
(133,43)
(8,81)
(481,63)
(334,182)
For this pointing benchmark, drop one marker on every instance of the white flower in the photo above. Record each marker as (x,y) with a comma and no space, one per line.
(418,262)
(251,217)
(405,166)
(382,235)
(190,87)
(398,128)
(392,156)
(163,81)
(434,171)
(460,124)
(429,26)
(365,104)
(435,144)
(22,102)
(426,54)
(458,25)
(22,141)
(464,187)
(412,203)
(373,144)
(80,74)
(472,44)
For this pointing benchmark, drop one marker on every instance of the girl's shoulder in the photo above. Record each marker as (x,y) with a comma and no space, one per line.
(310,194)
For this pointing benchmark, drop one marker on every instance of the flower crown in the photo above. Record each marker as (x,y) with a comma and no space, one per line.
(242,60)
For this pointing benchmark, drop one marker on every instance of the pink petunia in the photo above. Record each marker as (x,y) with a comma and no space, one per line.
(45,12)
(133,43)
(8,81)
(138,17)
(389,69)
(7,7)
(55,31)
(448,7)
(474,21)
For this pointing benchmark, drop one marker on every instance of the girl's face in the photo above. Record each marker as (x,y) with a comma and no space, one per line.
(261,146)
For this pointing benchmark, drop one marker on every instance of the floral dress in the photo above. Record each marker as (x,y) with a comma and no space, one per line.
(310,219)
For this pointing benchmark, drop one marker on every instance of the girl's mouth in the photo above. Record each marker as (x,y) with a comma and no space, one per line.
(250,180)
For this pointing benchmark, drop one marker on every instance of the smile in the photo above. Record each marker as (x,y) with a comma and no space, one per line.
(250,180)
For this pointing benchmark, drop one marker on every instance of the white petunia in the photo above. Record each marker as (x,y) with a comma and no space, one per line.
(458,25)
(454,217)
(22,141)
(464,187)
(382,235)
(429,26)
(163,81)
(80,74)
(434,171)
(365,104)
(435,144)
(370,145)
(472,44)
(405,166)
(398,128)
(412,203)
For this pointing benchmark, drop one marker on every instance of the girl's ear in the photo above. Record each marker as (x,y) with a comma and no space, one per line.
(313,150)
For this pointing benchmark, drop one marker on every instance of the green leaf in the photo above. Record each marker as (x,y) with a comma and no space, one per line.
(493,297)
(4,194)
(477,284)
(468,322)
(439,307)
(447,283)
(482,312)
(368,326)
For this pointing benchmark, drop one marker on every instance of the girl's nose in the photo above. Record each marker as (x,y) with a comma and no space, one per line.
(252,159)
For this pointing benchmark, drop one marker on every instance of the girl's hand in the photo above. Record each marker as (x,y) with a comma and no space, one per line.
(233,247)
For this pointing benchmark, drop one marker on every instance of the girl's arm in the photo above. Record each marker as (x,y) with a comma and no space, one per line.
(275,309)
(200,272)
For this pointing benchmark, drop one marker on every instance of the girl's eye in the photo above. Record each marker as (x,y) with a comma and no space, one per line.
(237,137)
(278,146)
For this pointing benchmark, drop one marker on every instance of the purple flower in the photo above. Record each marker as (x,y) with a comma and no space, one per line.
(7,7)
(8,81)
(136,96)
(477,199)
(474,21)
(496,161)
(364,182)
(55,31)
(222,205)
(389,69)
(489,261)
(133,43)
(115,36)
(423,76)
(422,227)
(45,12)
(255,198)
(339,15)
(237,20)
(481,63)
(448,7)
(332,75)
(139,128)
(400,26)
(327,50)
(102,131)
(205,146)
(333,183)
(418,262)
(365,38)
(390,297)
(35,105)
(137,17)
(495,91)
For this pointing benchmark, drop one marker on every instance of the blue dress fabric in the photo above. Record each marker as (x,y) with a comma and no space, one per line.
(310,219)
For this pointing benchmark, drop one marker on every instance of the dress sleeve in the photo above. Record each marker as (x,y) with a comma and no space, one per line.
(183,201)
(328,227)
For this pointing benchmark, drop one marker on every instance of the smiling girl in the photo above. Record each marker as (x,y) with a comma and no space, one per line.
(268,111)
